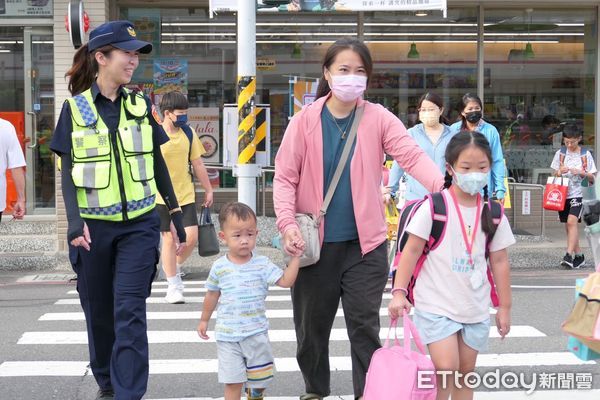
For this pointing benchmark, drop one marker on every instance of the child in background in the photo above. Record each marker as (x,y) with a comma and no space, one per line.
(239,281)
(179,154)
(452,293)
(576,164)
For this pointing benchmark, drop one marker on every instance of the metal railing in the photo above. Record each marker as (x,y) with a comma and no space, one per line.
(261,183)
(512,184)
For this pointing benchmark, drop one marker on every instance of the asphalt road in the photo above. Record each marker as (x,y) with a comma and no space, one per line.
(41,324)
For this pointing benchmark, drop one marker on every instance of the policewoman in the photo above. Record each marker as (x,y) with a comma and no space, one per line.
(112,169)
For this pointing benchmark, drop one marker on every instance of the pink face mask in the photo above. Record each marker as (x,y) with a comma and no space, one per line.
(348,87)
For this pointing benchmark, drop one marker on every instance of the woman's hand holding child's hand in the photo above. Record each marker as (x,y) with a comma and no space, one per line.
(398,304)
(503,321)
(202,328)
(293,243)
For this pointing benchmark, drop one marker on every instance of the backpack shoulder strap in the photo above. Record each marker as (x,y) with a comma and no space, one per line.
(190,135)
(439,216)
(584,161)
(497,214)
(563,154)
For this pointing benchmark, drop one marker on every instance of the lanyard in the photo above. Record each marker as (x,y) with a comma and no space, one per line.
(468,243)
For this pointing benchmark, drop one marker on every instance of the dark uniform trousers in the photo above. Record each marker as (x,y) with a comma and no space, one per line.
(342,272)
(113,280)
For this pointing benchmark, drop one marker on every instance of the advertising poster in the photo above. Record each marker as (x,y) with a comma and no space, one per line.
(205,122)
(170,74)
(302,92)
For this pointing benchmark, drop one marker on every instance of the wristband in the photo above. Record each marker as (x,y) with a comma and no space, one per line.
(400,289)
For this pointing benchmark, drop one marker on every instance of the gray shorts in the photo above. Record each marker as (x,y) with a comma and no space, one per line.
(250,361)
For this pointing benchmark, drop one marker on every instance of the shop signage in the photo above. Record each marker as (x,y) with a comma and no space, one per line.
(217,6)
(26,8)
(526,206)
(265,64)
(205,122)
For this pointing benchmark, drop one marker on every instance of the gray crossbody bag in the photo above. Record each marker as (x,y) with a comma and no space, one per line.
(309,224)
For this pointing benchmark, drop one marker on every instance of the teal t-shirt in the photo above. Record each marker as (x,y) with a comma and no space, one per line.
(340,223)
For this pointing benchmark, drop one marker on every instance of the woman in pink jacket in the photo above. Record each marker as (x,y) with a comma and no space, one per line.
(353,264)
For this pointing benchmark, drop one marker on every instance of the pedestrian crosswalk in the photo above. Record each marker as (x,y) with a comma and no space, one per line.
(176,349)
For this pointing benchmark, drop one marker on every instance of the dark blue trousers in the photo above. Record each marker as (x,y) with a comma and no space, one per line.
(113,280)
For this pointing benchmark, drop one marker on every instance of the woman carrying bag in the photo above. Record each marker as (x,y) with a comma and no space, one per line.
(112,170)
(353,262)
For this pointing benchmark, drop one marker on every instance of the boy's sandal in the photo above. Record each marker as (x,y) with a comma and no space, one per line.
(311,396)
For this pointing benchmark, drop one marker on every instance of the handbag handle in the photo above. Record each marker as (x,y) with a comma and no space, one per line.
(393,325)
(205,218)
(411,330)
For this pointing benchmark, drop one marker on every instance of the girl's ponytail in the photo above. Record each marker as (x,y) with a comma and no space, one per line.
(447,180)
(487,223)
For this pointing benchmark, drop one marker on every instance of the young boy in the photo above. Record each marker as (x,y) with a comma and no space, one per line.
(239,281)
(178,153)
(576,164)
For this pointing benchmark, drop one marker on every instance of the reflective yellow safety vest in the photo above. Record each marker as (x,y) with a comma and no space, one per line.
(113,172)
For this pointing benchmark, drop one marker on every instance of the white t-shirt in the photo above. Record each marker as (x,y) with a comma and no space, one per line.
(573,160)
(444,285)
(11,156)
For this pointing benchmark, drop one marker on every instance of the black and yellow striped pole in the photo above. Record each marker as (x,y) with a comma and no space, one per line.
(246,169)
(246,89)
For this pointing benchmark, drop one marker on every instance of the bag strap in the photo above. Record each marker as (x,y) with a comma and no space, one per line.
(343,159)
(190,135)
(205,218)
(439,217)
(411,330)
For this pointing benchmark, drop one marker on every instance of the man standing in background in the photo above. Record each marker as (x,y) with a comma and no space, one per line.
(11,157)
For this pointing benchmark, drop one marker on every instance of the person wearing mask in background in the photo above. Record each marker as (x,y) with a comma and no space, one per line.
(353,263)
(432,135)
(11,158)
(112,169)
(471,112)
(179,154)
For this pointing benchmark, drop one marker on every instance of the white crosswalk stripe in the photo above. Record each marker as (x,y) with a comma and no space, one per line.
(275,335)
(64,327)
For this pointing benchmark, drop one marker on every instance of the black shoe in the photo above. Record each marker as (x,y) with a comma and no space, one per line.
(105,394)
(578,261)
(567,261)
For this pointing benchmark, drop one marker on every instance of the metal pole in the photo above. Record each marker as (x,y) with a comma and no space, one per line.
(480,53)
(246,170)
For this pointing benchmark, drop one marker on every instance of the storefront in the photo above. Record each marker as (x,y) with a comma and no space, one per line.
(27,92)
(530,65)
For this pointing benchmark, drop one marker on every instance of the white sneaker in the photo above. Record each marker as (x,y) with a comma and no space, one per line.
(175,295)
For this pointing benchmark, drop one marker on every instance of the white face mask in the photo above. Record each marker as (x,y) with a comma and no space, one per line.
(471,182)
(348,88)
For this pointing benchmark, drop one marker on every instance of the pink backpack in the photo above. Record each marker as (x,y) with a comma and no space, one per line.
(395,371)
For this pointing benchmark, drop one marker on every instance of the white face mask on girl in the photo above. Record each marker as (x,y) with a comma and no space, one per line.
(429,118)
(471,182)
(348,88)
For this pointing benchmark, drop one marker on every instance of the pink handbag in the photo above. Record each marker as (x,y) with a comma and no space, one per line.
(397,372)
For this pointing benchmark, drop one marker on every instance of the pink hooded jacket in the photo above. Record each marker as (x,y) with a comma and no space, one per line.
(298,183)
